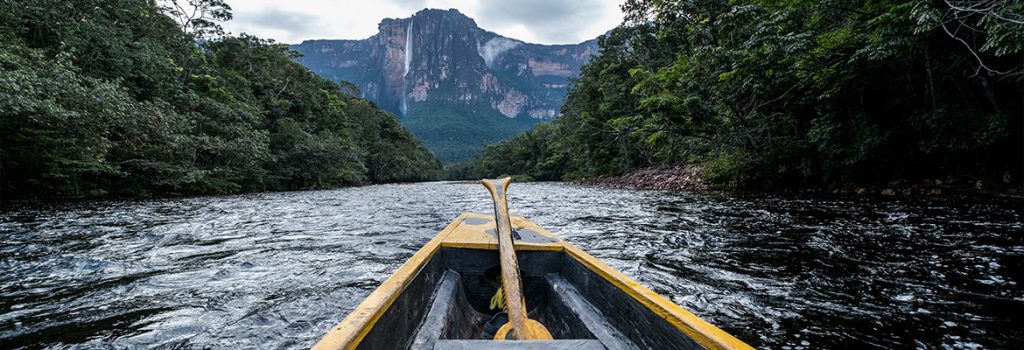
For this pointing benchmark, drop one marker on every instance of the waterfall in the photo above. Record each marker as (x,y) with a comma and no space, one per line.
(408,63)
(408,47)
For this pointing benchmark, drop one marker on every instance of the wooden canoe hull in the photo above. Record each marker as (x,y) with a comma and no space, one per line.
(439,299)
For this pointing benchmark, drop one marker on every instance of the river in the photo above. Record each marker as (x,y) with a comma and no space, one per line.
(277,270)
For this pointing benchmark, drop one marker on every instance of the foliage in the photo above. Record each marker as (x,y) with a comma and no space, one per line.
(456,132)
(784,93)
(111,97)
(533,155)
(198,17)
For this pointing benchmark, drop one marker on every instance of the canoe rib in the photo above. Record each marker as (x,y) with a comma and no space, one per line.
(590,315)
(350,332)
(704,333)
(433,323)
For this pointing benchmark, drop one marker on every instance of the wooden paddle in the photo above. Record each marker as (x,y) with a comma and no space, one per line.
(523,328)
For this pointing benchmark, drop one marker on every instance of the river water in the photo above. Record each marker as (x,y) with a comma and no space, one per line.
(277,270)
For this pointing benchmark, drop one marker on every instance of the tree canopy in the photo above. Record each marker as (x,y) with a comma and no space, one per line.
(791,93)
(113,97)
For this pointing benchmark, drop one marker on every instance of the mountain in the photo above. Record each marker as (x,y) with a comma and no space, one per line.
(454,85)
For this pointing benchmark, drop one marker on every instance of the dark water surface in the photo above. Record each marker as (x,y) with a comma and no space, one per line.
(278,270)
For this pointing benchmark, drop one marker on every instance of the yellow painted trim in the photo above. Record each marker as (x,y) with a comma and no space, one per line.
(488,246)
(350,332)
(701,331)
(476,236)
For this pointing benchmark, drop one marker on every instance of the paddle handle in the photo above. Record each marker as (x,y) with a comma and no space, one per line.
(510,279)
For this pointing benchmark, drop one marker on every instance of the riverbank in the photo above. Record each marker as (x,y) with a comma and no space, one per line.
(675,178)
(689,178)
(946,186)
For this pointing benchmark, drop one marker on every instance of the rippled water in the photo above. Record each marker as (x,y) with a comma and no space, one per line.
(277,270)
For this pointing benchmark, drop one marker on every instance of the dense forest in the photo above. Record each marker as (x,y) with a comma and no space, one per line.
(790,94)
(139,98)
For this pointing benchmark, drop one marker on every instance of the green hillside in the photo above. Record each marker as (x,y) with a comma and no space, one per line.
(114,97)
(455,134)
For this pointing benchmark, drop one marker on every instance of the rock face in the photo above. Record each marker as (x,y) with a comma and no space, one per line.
(453,84)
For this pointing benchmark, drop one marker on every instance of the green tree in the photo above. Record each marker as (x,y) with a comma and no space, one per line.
(113,97)
(199,18)
(790,93)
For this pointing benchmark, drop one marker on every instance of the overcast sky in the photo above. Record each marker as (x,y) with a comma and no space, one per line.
(535,21)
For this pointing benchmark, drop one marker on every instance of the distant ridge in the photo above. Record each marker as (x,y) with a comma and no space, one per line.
(453,84)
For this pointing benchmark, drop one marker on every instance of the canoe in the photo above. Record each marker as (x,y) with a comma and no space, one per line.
(439,299)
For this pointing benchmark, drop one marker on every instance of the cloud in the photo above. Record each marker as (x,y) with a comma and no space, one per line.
(280,19)
(410,4)
(494,48)
(290,26)
(535,21)
(558,21)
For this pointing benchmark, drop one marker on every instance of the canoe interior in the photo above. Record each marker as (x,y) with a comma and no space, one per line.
(445,306)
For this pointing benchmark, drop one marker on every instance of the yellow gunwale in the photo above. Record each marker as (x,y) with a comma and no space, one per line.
(350,332)
(699,330)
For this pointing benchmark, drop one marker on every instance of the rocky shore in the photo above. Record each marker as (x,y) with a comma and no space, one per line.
(946,186)
(677,177)
(688,178)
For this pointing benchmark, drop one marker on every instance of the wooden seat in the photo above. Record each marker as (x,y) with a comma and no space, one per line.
(567,344)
